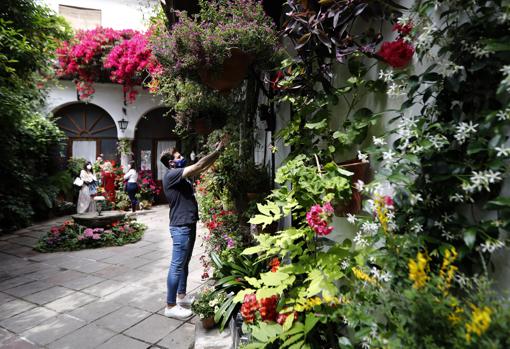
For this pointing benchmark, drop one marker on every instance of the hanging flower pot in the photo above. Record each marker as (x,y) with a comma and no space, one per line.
(360,171)
(208,323)
(233,71)
(202,126)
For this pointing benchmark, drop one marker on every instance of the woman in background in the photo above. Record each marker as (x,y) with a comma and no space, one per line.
(88,189)
(131,177)
(108,179)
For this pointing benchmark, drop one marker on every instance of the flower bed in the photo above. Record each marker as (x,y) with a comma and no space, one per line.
(71,236)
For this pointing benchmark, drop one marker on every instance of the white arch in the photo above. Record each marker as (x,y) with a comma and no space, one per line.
(108,97)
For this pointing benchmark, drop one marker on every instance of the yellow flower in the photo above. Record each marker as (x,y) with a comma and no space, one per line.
(382,212)
(448,270)
(480,321)
(361,275)
(418,270)
(454,317)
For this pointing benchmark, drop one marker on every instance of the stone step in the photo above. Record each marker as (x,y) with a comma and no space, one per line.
(213,338)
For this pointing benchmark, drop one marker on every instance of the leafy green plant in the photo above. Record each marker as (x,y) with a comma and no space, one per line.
(207,303)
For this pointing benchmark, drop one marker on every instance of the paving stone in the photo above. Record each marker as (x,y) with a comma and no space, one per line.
(130,276)
(125,294)
(53,329)
(122,318)
(18,343)
(71,302)
(28,319)
(182,338)
(82,282)
(14,307)
(25,240)
(111,271)
(90,266)
(26,289)
(4,298)
(95,310)
(17,281)
(154,328)
(48,272)
(48,295)
(90,336)
(152,300)
(64,275)
(5,336)
(121,341)
(104,288)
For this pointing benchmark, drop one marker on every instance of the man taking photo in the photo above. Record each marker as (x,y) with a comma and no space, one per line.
(179,192)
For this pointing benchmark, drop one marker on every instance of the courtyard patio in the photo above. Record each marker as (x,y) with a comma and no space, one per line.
(98,298)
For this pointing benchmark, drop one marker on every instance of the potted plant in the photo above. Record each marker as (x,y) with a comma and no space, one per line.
(206,304)
(217,46)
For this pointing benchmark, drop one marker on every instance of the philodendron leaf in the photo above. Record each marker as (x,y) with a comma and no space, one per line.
(273,279)
(470,237)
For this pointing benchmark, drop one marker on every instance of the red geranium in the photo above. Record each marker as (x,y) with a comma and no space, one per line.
(274,264)
(396,53)
(268,308)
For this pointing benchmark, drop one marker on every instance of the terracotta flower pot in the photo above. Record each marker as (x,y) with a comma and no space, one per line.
(233,71)
(208,323)
(360,172)
(202,126)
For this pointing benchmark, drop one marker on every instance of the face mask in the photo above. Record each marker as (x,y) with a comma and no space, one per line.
(89,167)
(180,163)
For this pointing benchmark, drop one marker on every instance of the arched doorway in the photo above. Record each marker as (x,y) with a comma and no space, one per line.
(90,130)
(153,134)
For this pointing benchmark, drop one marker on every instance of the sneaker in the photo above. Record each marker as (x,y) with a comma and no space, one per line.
(178,313)
(186,301)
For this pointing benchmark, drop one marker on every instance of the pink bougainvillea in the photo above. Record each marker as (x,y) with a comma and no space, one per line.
(101,53)
(318,218)
(128,60)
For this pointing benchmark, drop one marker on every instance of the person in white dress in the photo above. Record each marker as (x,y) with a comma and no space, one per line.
(131,177)
(89,188)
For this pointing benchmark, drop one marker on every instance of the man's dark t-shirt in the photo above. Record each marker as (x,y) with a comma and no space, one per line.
(180,196)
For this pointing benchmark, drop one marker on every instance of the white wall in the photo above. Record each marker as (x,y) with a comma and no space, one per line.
(109,97)
(116,14)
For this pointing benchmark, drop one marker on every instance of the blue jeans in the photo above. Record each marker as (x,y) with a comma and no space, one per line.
(131,189)
(183,238)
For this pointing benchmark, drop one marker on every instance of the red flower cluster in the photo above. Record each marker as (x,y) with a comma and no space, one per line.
(266,308)
(149,189)
(318,218)
(249,307)
(397,53)
(274,264)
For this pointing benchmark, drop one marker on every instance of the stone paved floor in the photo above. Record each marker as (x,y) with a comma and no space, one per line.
(102,298)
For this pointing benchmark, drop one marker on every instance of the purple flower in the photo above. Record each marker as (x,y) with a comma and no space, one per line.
(88,233)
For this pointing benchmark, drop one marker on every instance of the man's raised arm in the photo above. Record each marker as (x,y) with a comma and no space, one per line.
(204,163)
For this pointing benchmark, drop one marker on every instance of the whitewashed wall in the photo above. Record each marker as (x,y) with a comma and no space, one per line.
(116,14)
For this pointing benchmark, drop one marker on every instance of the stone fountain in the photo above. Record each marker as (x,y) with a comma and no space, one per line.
(99,219)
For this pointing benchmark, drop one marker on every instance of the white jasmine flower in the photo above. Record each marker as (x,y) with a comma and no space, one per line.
(415,198)
(386,276)
(369,228)
(375,272)
(439,225)
(358,240)
(480,52)
(351,218)
(438,141)
(366,343)
(396,90)
(345,264)
(388,155)
(426,38)
(447,235)
(379,141)
(481,179)
(456,198)
(464,130)
(503,115)
(447,218)
(416,149)
(505,70)
(502,152)
(362,157)
(417,228)
(491,246)
(359,185)
(387,76)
